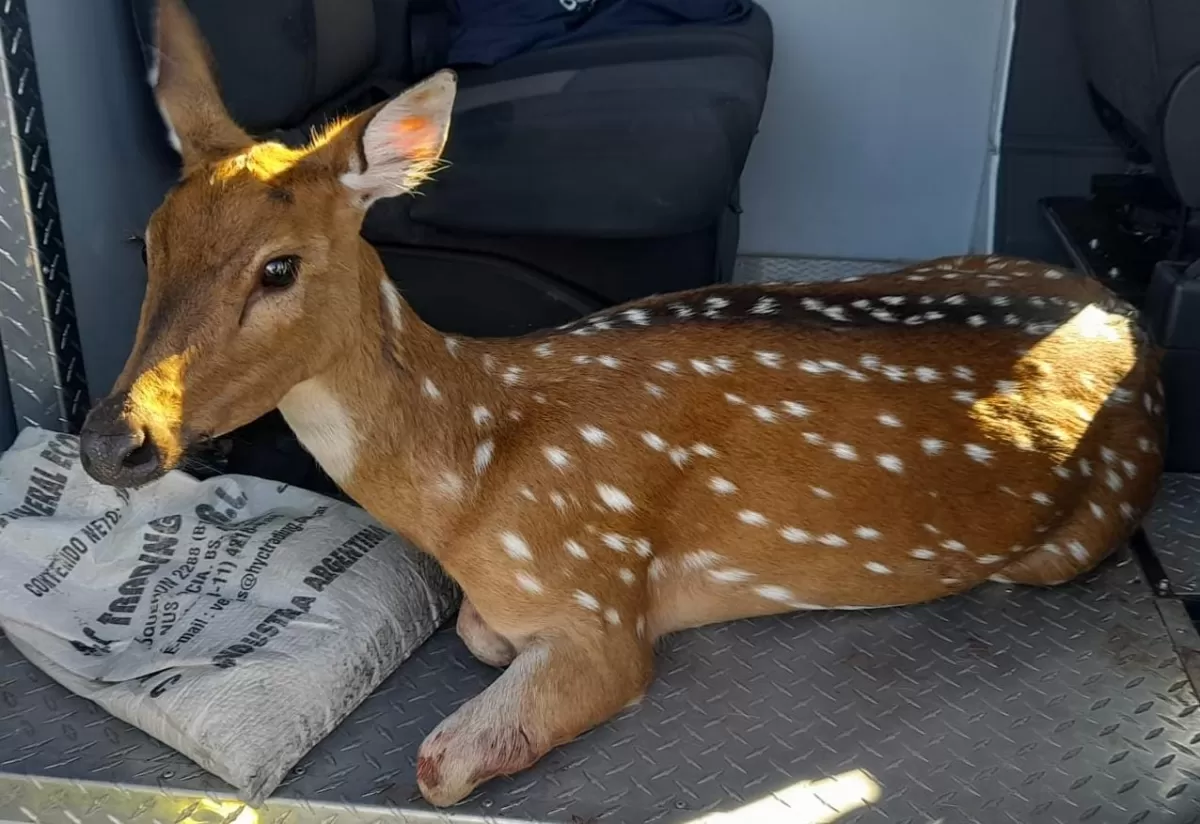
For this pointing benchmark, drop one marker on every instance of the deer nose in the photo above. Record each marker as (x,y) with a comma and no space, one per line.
(116,451)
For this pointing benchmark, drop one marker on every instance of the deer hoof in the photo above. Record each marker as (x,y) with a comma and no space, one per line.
(455,759)
(486,645)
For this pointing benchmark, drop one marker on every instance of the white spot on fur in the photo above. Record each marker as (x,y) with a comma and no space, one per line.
(430,390)
(594,435)
(749,516)
(932,446)
(557,457)
(868,533)
(512,375)
(1078,551)
(515,546)
(844,451)
(609,362)
(771,360)
(679,456)
(481,415)
(704,450)
(891,463)
(483,455)
(1041,498)
(954,546)
(990,559)
(775,593)
(765,306)
(1126,510)
(615,542)
(613,498)
(700,559)
(822,493)
(796,410)
(612,616)
(655,442)
(639,317)
(923,554)
(829,539)
(575,549)
(730,576)
(627,575)
(543,350)
(978,453)
(669,367)
(452,344)
(965,396)
(1113,480)
(795,535)
(927,374)
(814,438)
(764,414)
(887,419)
(877,568)
(703,367)
(642,547)
(721,486)
(528,583)
(655,390)
(586,600)
(391,299)
(323,426)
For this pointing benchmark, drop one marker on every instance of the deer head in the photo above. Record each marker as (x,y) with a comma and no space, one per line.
(254,259)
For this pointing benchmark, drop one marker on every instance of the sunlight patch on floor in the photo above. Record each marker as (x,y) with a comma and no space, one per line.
(824,801)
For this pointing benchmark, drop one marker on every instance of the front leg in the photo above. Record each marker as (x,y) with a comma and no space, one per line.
(555,690)
(484,643)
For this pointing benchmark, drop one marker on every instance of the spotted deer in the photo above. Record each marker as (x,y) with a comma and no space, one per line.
(684,459)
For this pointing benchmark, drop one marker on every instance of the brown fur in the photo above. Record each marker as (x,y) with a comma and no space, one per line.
(782,461)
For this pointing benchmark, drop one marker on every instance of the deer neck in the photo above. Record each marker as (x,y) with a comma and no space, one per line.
(394,417)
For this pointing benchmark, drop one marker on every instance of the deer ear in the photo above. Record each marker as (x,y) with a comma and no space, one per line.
(185,89)
(402,141)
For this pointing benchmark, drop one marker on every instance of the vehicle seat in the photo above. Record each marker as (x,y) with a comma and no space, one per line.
(1142,62)
(579,176)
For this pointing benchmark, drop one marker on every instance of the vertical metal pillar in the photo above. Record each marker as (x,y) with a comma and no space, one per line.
(42,353)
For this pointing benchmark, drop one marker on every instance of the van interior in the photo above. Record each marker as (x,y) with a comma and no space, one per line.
(789,141)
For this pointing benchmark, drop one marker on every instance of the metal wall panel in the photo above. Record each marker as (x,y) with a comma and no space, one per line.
(37,314)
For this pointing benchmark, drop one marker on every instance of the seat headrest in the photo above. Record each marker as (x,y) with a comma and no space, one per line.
(277,60)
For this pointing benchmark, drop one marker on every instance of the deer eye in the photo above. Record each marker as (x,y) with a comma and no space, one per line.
(280,272)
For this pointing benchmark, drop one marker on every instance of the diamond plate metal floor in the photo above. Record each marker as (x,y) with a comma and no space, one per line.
(1004,705)
(1174,531)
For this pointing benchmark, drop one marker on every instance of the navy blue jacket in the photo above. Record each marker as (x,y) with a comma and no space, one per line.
(487,31)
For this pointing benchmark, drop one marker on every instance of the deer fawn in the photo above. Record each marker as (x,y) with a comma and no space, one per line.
(685,459)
